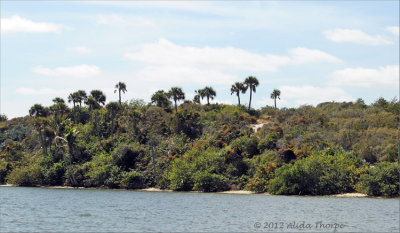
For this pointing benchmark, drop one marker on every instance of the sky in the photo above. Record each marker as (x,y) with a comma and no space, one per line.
(312,51)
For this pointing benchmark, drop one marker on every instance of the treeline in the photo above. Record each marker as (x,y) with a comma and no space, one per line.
(328,149)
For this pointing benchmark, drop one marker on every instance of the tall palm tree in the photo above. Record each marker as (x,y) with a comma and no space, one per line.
(94,101)
(113,109)
(251,82)
(120,86)
(40,113)
(74,98)
(82,97)
(160,98)
(275,94)
(176,94)
(209,93)
(199,95)
(99,96)
(237,88)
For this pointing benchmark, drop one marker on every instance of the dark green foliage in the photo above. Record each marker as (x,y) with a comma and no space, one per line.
(248,146)
(126,156)
(132,180)
(382,179)
(3,118)
(188,123)
(30,175)
(55,174)
(327,172)
(209,182)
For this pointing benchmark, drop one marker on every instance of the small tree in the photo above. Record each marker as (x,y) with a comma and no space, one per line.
(176,94)
(207,92)
(237,88)
(160,98)
(251,82)
(120,87)
(275,94)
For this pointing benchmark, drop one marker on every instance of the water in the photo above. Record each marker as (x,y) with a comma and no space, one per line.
(87,210)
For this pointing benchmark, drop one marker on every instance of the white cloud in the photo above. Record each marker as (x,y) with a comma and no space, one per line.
(165,61)
(18,24)
(81,71)
(304,55)
(394,30)
(300,95)
(387,76)
(176,75)
(354,36)
(119,20)
(82,50)
(41,91)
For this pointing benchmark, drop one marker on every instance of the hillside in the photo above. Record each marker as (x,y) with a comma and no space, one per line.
(328,149)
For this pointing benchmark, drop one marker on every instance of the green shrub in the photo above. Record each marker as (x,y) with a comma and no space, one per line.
(383,179)
(328,172)
(132,180)
(5,168)
(55,174)
(247,145)
(126,156)
(180,176)
(208,182)
(30,175)
(268,143)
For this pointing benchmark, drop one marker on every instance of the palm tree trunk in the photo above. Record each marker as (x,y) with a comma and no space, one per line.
(112,126)
(42,140)
(251,92)
(119,92)
(96,124)
(176,107)
(208,100)
(238,98)
(275,101)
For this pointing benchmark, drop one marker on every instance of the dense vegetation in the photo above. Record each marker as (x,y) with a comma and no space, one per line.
(328,149)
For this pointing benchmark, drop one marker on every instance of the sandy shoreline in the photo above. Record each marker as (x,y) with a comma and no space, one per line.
(240,192)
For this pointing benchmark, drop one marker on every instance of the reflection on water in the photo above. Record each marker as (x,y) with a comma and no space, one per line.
(83,210)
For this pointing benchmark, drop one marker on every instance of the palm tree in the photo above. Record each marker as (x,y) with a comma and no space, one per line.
(251,82)
(176,94)
(275,94)
(58,100)
(237,88)
(74,98)
(40,113)
(94,101)
(81,96)
(99,96)
(207,92)
(160,98)
(120,86)
(199,95)
(113,109)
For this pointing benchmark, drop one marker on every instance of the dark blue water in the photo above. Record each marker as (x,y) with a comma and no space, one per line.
(87,210)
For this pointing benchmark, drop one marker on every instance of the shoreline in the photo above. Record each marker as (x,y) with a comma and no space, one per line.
(236,192)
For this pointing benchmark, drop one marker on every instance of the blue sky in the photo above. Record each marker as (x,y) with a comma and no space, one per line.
(313,51)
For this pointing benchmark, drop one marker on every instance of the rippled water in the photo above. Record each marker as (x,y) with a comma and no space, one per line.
(84,210)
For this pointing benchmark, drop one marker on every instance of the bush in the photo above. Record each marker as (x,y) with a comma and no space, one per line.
(181,176)
(383,179)
(247,145)
(208,182)
(132,180)
(126,156)
(30,175)
(55,175)
(327,172)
